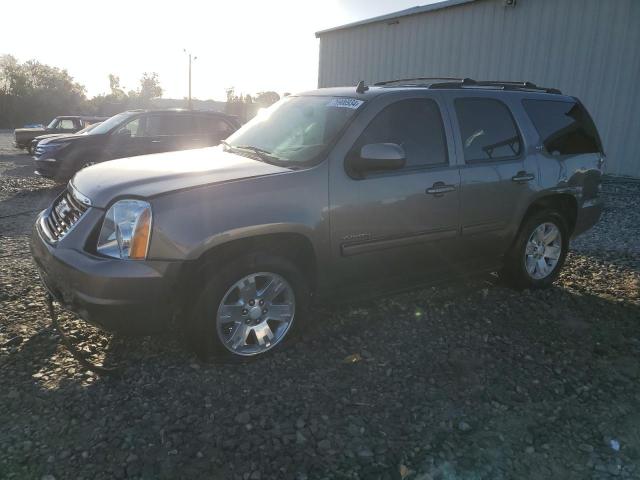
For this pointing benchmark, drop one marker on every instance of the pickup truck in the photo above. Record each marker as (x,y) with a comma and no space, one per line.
(65,124)
(33,145)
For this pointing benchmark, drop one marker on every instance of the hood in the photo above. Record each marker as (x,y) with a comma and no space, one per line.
(60,138)
(50,135)
(150,175)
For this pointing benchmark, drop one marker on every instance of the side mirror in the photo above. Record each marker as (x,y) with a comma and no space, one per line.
(376,157)
(123,132)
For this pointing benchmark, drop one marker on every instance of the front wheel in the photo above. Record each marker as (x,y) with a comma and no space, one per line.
(539,252)
(250,307)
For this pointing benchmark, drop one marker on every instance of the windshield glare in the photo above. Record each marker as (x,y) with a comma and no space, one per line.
(296,129)
(53,123)
(109,123)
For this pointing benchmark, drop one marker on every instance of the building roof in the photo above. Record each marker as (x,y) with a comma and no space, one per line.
(402,13)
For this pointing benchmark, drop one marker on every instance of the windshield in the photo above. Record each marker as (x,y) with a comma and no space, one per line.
(108,124)
(86,130)
(53,123)
(295,129)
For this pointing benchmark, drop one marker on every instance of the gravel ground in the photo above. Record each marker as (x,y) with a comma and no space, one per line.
(473,381)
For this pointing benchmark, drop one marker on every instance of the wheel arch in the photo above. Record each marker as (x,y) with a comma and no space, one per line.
(294,244)
(565,203)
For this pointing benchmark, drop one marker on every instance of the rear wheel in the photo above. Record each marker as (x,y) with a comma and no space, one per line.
(249,307)
(539,252)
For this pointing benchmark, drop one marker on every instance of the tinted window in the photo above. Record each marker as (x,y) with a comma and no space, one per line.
(565,128)
(216,127)
(162,125)
(415,125)
(487,129)
(135,128)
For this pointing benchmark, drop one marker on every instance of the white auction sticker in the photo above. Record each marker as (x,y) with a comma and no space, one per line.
(345,103)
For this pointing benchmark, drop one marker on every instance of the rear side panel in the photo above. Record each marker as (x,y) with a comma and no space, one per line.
(569,153)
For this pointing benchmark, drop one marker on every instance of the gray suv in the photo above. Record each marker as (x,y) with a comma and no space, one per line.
(328,194)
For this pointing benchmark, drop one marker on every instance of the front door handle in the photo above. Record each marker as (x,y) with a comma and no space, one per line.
(523,177)
(156,141)
(440,188)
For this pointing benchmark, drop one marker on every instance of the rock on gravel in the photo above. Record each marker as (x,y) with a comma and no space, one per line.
(462,381)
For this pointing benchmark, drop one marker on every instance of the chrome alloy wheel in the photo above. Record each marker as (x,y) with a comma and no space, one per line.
(256,313)
(543,251)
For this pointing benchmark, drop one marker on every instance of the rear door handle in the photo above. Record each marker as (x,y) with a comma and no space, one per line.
(440,188)
(523,177)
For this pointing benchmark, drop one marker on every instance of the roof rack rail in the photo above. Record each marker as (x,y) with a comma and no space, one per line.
(387,82)
(504,85)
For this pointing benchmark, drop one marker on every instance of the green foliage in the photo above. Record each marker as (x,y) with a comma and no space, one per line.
(32,92)
(149,87)
(266,99)
(118,101)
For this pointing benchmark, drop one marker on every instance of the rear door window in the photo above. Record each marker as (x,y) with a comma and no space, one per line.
(170,125)
(565,128)
(414,124)
(213,126)
(487,129)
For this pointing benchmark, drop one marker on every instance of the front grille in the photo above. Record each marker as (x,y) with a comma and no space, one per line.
(64,214)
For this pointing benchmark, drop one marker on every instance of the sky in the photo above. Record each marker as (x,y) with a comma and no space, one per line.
(249,45)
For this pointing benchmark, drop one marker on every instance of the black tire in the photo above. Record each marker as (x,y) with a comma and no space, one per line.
(203,336)
(514,272)
(63,177)
(67,169)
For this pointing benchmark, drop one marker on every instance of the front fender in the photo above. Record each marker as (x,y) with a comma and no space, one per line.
(251,231)
(190,222)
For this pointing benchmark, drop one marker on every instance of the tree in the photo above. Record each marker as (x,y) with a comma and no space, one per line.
(266,99)
(35,92)
(149,87)
(114,86)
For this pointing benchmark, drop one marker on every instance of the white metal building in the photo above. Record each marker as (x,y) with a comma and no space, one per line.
(586,48)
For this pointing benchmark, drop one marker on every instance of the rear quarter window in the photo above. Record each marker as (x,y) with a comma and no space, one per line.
(565,127)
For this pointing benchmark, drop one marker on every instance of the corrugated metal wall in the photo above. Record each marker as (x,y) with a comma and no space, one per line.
(587,48)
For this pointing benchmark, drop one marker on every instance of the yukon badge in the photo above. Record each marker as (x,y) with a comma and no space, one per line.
(357,237)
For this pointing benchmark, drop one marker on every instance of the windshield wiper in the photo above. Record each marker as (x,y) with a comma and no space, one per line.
(264,155)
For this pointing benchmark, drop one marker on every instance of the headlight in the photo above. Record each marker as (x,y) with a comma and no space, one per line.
(126,230)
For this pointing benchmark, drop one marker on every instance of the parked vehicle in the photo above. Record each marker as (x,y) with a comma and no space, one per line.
(64,125)
(129,134)
(34,143)
(328,194)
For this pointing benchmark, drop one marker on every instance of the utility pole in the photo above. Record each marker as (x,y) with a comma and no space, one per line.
(194,58)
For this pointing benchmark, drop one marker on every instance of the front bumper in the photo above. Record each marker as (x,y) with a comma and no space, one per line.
(588,215)
(136,297)
(47,165)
